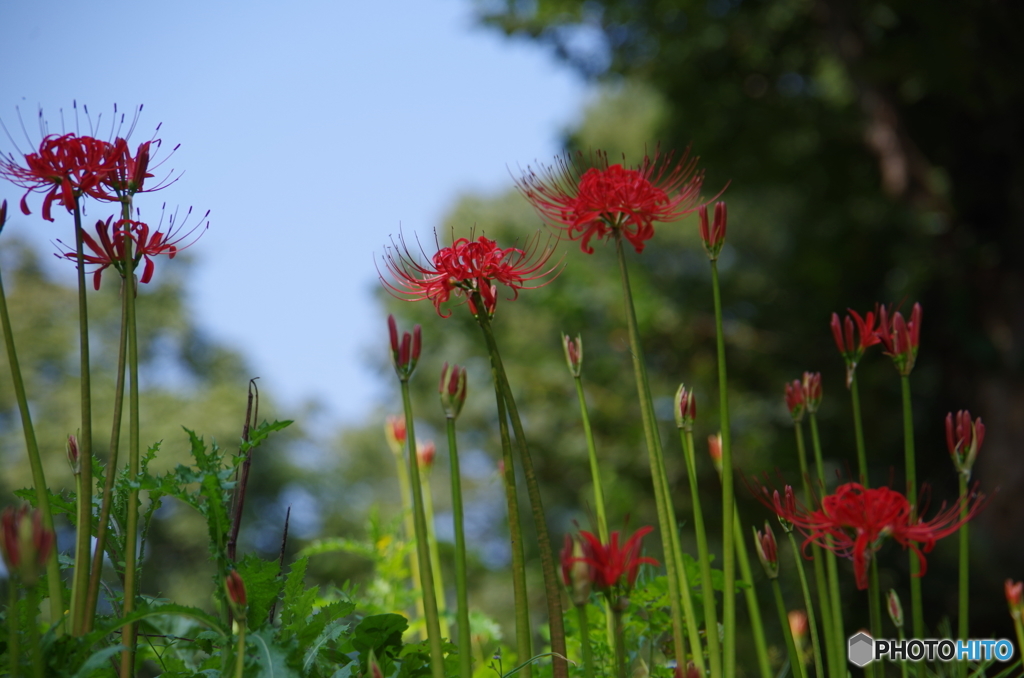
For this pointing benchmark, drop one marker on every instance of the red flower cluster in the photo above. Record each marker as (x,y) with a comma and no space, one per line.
(852,350)
(613,569)
(612,199)
(900,337)
(853,522)
(468,268)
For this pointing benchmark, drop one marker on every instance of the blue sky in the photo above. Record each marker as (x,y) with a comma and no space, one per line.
(312,133)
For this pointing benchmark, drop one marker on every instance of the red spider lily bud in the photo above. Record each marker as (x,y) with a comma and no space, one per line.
(795,400)
(235,588)
(1015,598)
(900,337)
(785,510)
(691,671)
(452,389)
(767,550)
(425,453)
(394,431)
(3,214)
(892,603)
(573,353)
(851,350)
(24,542)
(575,572)
(686,408)
(713,236)
(715,451)
(373,669)
(964,439)
(812,390)
(406,354)
(798,626)
(72,451)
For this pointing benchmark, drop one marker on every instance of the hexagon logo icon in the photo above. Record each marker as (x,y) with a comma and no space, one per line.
(861,649)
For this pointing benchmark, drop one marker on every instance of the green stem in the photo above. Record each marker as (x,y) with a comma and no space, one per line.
(964,588)
(903,663)
(515,530)
(588,655)
(461,586)
(595,470)
(911,474)
(831,607)
(552,589)
(795,662)
(683,582)
(410,528)
(753,606)
(655,458)
(92,595)
(12,625)
(131,569)
(240,652)
(83,524)
(53,580)
(74,612)
(435,556)
(620,644)
(420,524)
(858,430)
(835,607)
(874,609)
(33,632)
(704,556)
(728,506)
(819,669)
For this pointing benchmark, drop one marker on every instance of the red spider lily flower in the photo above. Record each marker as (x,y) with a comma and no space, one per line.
(811,385)
(964,438)
(1015,598)
(573,349)
(900,337)
(613,569)
(406,354)
(575,573)
(767,550)
(851,350)
(24,542)
(685,408)
(853,522)
(469,268)
(713,237)
(452,390)
(795,400)
(129,172)
(611,199)
(65,167)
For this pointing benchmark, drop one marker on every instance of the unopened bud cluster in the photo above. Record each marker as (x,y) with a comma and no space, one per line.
(405,353)
(452,390)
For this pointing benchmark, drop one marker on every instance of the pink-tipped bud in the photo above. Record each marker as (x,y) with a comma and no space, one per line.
(393,333)
(373,669)
(573,353)
(452,390)
(394,431)
(798,626)
(235,588)
(685,408)
(767,550)
(417,344)
(892,603)
(964,438)
(24,542)
(715,451)
(405,353)
(713,235)
(900,337)
(795,400)
(785,510)
(425,453)
(1015,598)
(812,390)
(73,457)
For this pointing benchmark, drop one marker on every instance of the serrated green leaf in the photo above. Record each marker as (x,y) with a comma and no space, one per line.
(97,661)
(381,633)
(271,658)
(263,585)
(293,590)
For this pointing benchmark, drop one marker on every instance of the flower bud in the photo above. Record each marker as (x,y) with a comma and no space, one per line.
(785,510)
(72,451)
(573,353)
(425,453)
(452,389)
(795,400)
(798,626)
(373,669)
(715,451)
(686,408)
(964,438)
(892,603)
(811,385)
(3,214)
(713,236)
(235,588)
(394,431)
(900,337)
(24,542)
(767,550)
(1015,598)
(405,353)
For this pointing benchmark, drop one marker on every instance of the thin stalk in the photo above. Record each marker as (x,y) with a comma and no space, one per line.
(420,523)
(819,669)
(903,663)
(858,430)
(1018,626)
(83,524)
(704,556)
(92,595)
(588,654)
(74,612)
(682,582)
(435,556)
(655,458)
(874,610)
(53,580)
(410,529)
(240,652)
(620,645)
(461,586)
(595,470)
(832,612)
(12,626)
(796,664)
(753,606)
(911,473)
(552,589)
(33,632)
(131,587)
(964,584)
(728,506)
(521,602)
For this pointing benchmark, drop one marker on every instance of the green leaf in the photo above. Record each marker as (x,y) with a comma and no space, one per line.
(298,603)
(263,585)
(381,633)
(271,658)
(99,659)
(340,544)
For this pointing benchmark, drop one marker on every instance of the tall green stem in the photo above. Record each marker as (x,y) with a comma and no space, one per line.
(620,644)
(795,662)
(435,556)
(753,606)
(858,430)
(911,474)
(13,649)
(515,530)
(408,523)
(657,464)
(819,669)
(728,506)
(461,586)
(240,651)
(83,523)
(131,569)
(552,589)
(704,553)
(53,580)
(588,654)
(33,632)
(832,613)
(420,524)
(964,584)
